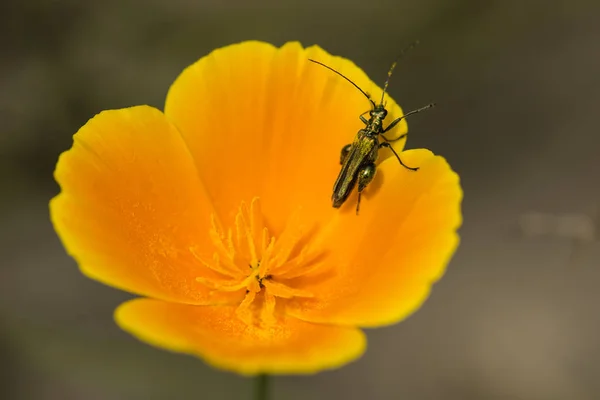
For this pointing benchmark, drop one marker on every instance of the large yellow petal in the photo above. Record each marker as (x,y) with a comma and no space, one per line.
(132,206)
(264,121)
(216,335)
(385,260)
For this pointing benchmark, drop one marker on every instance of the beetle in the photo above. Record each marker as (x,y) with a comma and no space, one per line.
(358,158)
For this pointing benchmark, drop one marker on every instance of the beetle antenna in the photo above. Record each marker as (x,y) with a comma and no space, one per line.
(402,53)
(343,76)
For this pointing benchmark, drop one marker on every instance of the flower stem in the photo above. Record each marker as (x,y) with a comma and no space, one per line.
(261,387)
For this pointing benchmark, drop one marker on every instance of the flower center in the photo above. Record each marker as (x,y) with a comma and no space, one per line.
(249,258)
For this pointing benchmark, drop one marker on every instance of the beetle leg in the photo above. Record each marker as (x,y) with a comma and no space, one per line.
(393,140)
(389,146)
(365,176)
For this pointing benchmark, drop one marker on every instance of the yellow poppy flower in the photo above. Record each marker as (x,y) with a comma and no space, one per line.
(218,213)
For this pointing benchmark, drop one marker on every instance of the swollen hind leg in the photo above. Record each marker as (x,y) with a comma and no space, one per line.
(365,176)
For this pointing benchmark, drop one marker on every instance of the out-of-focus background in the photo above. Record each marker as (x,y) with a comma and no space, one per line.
(518,87)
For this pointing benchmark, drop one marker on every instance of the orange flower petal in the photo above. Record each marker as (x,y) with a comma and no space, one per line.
(272,124)
(387,257)
(132,206)
(216,335)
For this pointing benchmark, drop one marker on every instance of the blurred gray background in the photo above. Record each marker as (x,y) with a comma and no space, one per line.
(517,84)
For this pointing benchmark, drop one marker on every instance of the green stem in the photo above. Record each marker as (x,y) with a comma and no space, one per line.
(261,387)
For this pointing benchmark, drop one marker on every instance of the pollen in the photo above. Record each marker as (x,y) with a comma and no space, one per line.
(249,257)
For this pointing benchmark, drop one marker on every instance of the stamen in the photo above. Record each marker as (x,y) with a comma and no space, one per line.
(304,265)
(228,252)
(280,290)
(225,286)
(304,269)
(248,232)
(267,314)
(244,310)
(216,236)
(273,262)
(289,238)
(232,271)
(266,259)
(293,263)
(266,239)
(256,218)
(253,285)
(230,245)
